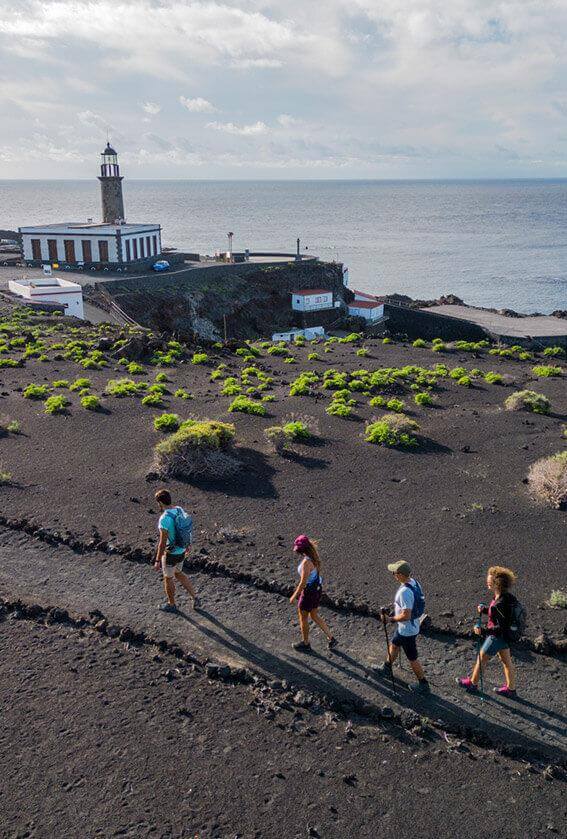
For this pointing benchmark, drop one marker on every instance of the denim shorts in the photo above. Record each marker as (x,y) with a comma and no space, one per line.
(407,643)
(493,645)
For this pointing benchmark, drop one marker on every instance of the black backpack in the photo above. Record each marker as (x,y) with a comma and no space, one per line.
(518,621)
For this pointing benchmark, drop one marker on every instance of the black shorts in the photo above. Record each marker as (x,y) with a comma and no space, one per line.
(407,643)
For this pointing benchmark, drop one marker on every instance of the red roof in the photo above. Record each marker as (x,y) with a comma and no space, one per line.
(365,294)
(364,304)
(308,291)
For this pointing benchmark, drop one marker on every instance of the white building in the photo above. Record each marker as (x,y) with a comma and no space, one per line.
(90,244)
(51,290)
(370,310)
(312,299)
(309,334)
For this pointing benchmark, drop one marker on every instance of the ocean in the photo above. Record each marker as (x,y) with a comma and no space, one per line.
(499,244)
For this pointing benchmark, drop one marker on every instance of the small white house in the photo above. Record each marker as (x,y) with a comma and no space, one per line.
(51,290)
(309,334)
(370,310)
(312,299)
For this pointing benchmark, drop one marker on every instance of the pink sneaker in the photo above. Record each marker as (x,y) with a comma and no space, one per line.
(505,691)
(467,684)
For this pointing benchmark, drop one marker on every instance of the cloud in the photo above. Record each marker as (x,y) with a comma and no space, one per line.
(151,108)
(198,105)
(242,130)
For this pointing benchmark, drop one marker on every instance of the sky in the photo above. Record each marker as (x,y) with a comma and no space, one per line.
(294,89)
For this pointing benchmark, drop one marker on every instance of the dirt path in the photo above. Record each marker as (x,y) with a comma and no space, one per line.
(244,626)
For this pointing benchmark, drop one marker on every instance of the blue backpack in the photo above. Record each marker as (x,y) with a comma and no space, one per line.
(182,528)
(418,607)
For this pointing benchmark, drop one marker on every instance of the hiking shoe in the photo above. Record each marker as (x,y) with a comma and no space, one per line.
(506,691)
(302,647)
(421,687)
(383,669)
(332,643)
(196,603)
(167,607)
(466,683)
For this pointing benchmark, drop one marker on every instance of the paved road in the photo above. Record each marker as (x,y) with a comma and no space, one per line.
(242,625)
(540,326)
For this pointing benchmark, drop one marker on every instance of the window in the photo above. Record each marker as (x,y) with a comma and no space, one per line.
(103,250)
(69,246)
(52,249)
(128,256)
(135,246)
(148,246)
(87,250)
(36,248)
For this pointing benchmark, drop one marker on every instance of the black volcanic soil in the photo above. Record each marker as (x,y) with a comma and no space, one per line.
(452,508)
(99,739)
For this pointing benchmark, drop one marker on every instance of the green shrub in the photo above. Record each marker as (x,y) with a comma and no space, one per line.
(55,405)
(392,430)
(36,392)
(439,347)
(339,409)
(9,362)
(60,383)
(123,387)
(152,400)
(419,342)
(13,427)
(548,351)
(157,387)
(313,356)
(493,378)
(423,398)
(268,398)
(199,358)
(296,431)
(181,393)
(5,477)
(386,340)
(277,351)
(465,381)
(377,402)
(289,360)
(135,369)
(558,599)
(167,422)
(197,449)
(458,372)
(362,352)
(244,405)
(82,383)
(161,377)
(528,400)
(546,370)
(396,405)
(91,402)
(245,352)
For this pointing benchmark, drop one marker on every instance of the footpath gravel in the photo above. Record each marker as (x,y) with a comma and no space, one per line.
(244,626)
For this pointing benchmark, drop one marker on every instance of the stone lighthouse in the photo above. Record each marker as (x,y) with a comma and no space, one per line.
(111,187)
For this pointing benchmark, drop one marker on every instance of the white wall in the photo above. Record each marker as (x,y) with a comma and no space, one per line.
(67,294)
(60,239)
(138,236)
(311,302)
(367,314)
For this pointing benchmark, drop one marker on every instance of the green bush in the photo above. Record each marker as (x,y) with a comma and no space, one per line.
(396,405)
(135,369)
(546,370)
(36,392)
(558,599)
(552,352)
(161,377)
(386,340)
(9,362)
(419,342)
(91,403)
(339,409)
(464,381)
(377,402)
(181,393)
(392,430)
(197,449)
(439,347)
(277,351)
(528,400)
(493,378)
(423,398)
(245,352)
(313,356)
(167,422)
(121,387)
(296,431)
(244,405)
(13,427)
(152,400)
(458,372)
(60,383)
(199,358)
(55,405)
(362,352)
(289,360)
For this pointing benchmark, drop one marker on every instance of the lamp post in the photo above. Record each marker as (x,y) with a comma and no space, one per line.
(229,254)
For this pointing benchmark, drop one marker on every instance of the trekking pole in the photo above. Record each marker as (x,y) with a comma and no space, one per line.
(478,624)
(383,611)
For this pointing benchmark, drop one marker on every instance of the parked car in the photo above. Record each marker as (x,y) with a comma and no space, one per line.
(161,265)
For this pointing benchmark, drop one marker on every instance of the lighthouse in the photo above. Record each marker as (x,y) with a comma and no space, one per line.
(111,187)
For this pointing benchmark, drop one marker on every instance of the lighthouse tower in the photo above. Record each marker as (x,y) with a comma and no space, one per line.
(111,187)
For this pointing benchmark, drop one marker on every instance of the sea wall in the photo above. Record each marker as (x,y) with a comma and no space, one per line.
(417,324)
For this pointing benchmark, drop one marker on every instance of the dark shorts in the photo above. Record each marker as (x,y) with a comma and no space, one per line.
(407,643)
(309,599)
(493,645)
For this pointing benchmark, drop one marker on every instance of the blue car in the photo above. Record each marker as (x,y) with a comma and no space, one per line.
(161,265)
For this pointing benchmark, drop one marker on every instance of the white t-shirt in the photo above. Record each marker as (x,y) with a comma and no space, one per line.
(404,600)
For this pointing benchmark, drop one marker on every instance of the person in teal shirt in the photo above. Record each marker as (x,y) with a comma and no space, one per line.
(169,556)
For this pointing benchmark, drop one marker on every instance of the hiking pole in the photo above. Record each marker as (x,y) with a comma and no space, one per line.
(383,613)
(478,625)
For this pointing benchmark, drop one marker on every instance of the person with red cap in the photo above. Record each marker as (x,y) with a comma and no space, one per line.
(308,592)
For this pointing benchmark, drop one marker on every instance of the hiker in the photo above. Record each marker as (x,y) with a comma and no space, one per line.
(506,619)
(409,605)
(175,536)
(309,592)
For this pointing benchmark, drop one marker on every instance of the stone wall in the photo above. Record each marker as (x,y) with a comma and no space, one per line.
(418,324)
(112,200)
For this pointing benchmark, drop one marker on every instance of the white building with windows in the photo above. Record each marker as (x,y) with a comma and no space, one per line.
(313,299)
(51,290)
(90,244)
(370,310)
(94,245)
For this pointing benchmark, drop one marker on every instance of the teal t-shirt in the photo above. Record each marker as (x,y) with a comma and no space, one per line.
(166,523)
